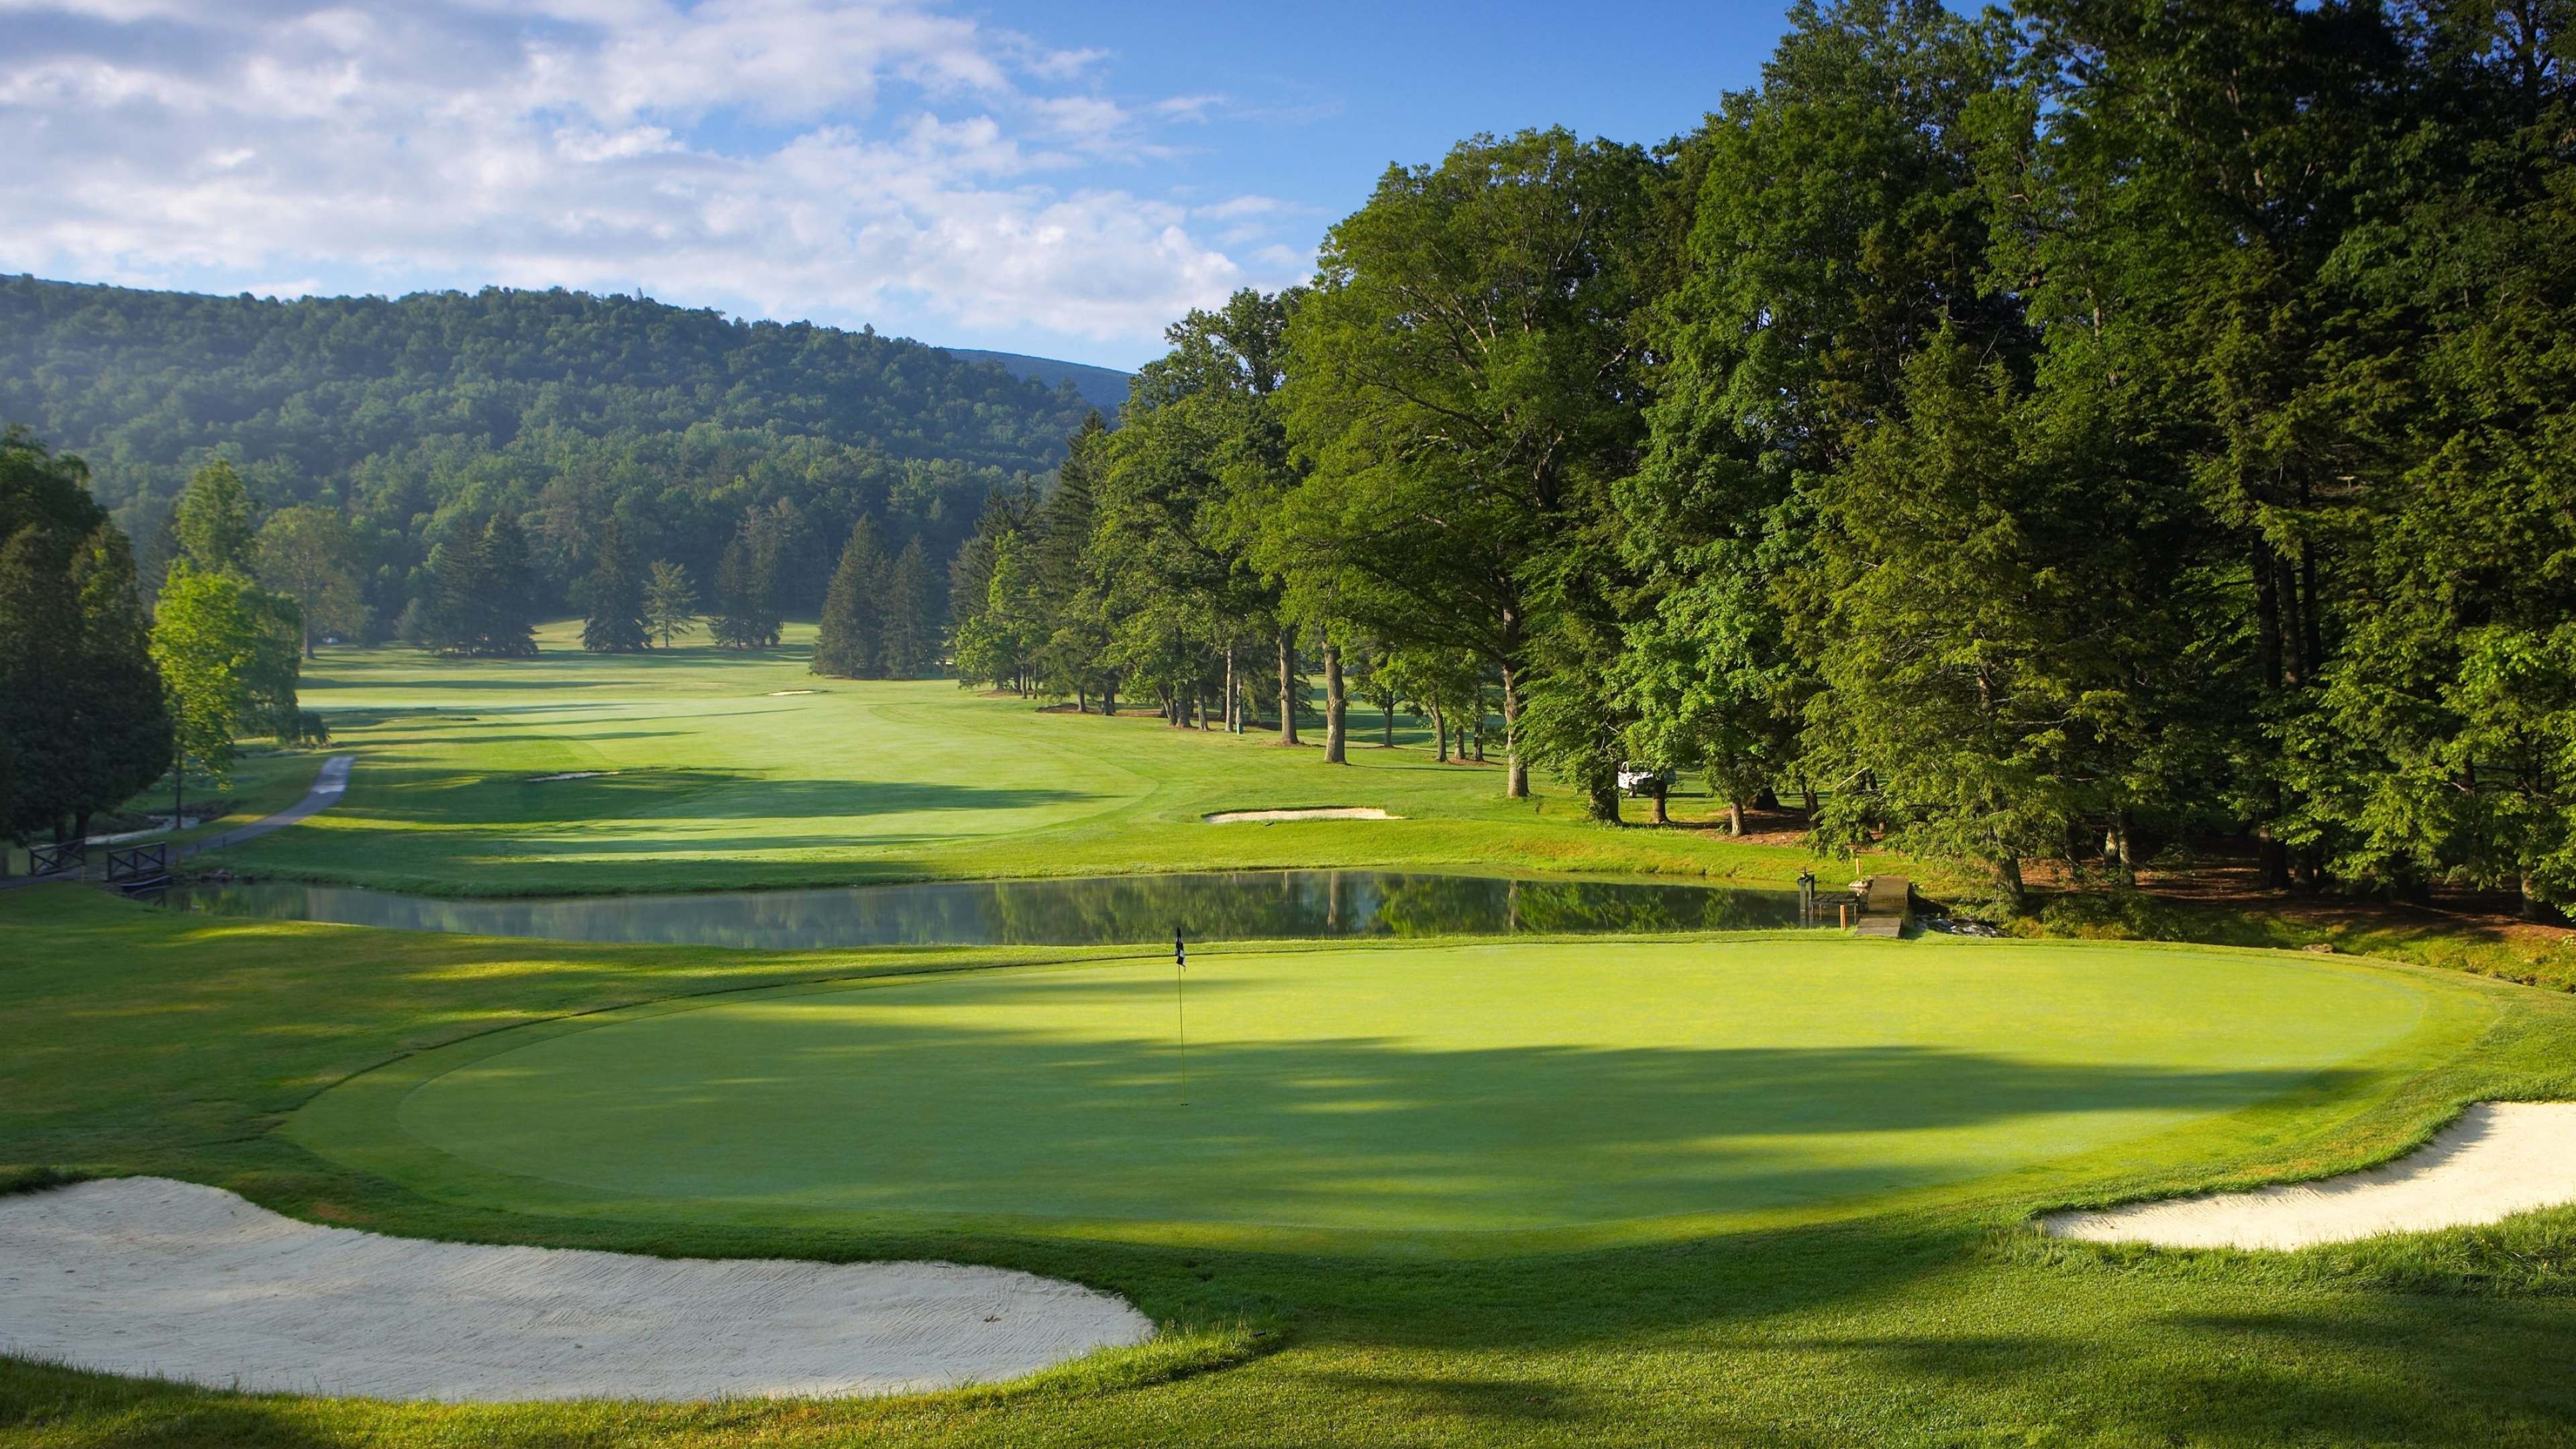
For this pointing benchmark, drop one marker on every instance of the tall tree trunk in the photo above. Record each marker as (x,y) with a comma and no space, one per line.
(2267,612)
(2311,634)
(1109,704)
(1735,817)
(1516,778)
(1229,689)
(1386,724)
(1081,700)
(1337,704)
(1287,687)
(1662,817)
(1440,732)
(1601,795)
(2008,882)
(2125,862)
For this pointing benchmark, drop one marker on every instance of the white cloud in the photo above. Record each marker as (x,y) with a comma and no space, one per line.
(785,157)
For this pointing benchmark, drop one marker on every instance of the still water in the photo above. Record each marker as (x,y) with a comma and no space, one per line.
(1102,910)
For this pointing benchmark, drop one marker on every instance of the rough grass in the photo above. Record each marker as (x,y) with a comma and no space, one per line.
(134,1042)
(2531,956)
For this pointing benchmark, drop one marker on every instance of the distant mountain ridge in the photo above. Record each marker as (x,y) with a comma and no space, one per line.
(1103,387)
(418,414)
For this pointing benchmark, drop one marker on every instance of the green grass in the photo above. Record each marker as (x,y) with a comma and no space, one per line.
(265,780)
(712,779)
(1452,1097)
(137,1042)
(1760,1192)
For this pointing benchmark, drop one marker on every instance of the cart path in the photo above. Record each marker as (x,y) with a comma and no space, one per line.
(148,1276)
(329,784)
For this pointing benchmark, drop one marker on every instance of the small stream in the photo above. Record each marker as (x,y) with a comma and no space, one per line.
(1099,910)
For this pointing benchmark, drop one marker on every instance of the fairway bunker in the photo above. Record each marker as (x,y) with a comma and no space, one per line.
(1099,910)
(2495,1160)
(1326,812)
(172,1280)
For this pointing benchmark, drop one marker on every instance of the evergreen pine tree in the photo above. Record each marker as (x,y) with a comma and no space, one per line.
(454,613)
(484,591)
(851,642)
(213,523)
(38,743)
(732,623)
(911,609)
(511,577)
(670,602)
(115,692)
(82,723)
(615,622)
(746,602)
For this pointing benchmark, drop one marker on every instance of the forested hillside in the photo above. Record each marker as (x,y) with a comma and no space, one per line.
(415,415)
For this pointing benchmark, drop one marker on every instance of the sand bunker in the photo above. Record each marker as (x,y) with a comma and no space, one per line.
(1336,812)
(148,1276)
(570,775)
(2498,1159)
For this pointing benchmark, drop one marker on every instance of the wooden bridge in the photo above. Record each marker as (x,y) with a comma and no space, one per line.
(1887,906)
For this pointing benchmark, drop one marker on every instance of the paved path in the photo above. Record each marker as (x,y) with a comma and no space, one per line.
(328,786)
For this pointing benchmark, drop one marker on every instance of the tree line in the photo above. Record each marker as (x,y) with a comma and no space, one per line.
(2054,433)
(98,697)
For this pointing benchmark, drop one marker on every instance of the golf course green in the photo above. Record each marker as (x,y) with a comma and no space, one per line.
(1759,1187)
(1453,1089)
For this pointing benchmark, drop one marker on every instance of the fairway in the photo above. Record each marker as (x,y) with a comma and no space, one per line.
(1474,1088)
(699,769)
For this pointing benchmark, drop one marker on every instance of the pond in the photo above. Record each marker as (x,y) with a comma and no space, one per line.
(1102,910)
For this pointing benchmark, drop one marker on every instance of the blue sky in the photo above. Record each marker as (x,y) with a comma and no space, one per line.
(1047,178)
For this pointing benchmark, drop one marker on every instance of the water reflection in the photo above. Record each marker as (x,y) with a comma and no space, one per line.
(1241,905)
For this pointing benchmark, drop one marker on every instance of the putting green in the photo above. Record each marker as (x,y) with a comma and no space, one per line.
(1475,1087)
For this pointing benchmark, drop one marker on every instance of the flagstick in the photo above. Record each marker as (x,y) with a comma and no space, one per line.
(1180,1010)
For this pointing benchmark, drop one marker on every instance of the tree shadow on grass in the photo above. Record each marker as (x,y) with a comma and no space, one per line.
(869,1104)
(654,797)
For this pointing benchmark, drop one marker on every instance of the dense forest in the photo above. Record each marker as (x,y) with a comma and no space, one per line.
(2068,433)
(418,420)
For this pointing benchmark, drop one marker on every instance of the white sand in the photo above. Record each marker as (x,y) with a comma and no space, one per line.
(1339,812)
(571,775)
(2498,1159)
(153,1277)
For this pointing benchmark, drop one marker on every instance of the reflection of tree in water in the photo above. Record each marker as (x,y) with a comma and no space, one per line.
(1243,905)
(1436,905)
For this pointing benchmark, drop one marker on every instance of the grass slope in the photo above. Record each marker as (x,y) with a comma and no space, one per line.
(712,777)
(136,1042)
